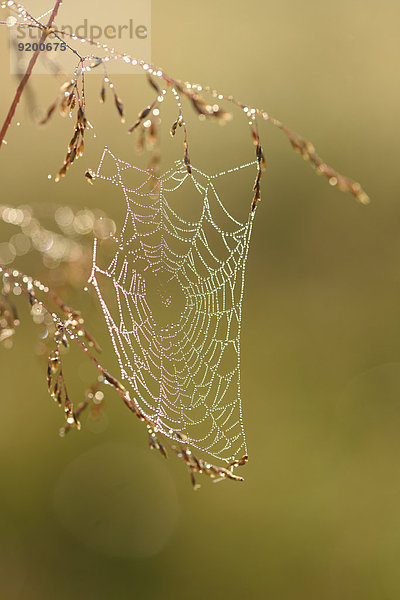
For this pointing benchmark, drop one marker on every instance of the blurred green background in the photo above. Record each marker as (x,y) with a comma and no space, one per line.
(96,515)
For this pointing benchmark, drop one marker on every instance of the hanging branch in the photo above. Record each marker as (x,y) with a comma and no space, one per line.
(192,92)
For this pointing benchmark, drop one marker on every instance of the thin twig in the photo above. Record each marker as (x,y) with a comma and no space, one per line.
(28,73)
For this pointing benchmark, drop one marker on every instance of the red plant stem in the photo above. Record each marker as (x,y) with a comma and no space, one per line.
(27,75)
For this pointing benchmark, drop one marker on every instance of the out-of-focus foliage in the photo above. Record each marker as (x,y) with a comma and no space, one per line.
(95,514)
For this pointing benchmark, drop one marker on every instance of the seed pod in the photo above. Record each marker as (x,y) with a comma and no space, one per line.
(103,94)
(195,485)
(153,84)
(72,155)
(81,148)
(59,397)
(49,373)
(49,113)
(73,139)
(257,197)
(66,86)
(80,115)
(112,381)
(120,108)
(187,160)
(142,115)
(174,128)
(31,298)
(200,106)
(260,156)
(61,173)
(162,450)
(70,98)
(239,462)
(140,143)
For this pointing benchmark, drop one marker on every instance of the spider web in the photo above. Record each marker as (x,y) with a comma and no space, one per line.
(172,300)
